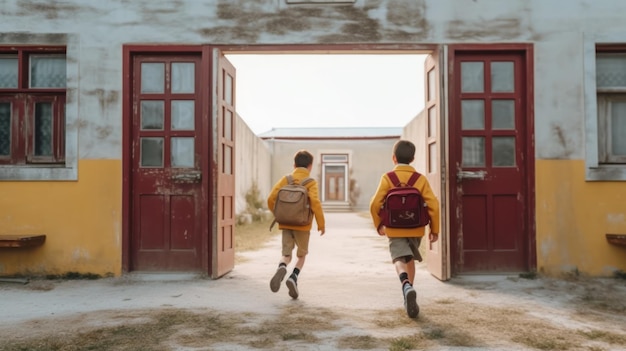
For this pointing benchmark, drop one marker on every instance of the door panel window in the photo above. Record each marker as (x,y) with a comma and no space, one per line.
(503,151)
(473,152)
(182,152)
(473,114)
(183,77)
(152,152)
(472,77)
(502,77)
(503,114)
(152,115)
(183,115)
(152,77)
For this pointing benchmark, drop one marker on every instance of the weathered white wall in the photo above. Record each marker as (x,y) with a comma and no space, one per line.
(252,165)
(103,27)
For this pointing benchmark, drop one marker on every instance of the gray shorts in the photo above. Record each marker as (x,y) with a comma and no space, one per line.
(293,238)
(402,247)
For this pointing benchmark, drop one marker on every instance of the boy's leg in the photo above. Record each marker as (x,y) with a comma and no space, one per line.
(281,271)
(402,257)
(302,242)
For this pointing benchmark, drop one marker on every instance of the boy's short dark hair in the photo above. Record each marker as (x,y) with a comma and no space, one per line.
(303,158)
(404,151)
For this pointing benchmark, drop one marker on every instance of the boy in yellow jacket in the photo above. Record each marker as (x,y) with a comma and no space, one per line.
(293,235)
(404,242)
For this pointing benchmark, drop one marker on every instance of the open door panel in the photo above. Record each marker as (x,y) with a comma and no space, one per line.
(437,257)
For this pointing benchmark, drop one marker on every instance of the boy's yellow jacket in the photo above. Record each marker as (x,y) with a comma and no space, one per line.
(299,174)
(404,173)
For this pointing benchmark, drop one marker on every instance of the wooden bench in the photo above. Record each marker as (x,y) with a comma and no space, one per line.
(616,239)
(14,241)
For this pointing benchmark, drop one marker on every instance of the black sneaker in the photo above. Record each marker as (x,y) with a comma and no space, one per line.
(278,278)
(410,301)
(293,288)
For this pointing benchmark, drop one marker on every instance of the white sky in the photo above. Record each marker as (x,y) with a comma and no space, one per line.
(285,91)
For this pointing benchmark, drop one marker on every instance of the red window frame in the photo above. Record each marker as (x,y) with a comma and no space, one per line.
(23,100)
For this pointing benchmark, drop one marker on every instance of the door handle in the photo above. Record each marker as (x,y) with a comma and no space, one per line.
(188,177)
(461,174)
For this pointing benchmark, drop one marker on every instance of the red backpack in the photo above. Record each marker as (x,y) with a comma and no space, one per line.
(404,206)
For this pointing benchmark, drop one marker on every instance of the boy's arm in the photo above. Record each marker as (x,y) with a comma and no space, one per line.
(271,198)
(316,207)
(377,200)
(433,208)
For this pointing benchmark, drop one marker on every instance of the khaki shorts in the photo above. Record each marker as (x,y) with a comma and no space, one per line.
(293,238)
(402,247)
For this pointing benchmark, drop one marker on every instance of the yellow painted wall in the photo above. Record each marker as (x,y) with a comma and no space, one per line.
(81,219)
(572,218)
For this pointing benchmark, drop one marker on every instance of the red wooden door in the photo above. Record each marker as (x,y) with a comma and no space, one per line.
(489,161)
(223,127)
(167,209)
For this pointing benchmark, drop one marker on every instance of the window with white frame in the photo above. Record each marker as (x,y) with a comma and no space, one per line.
(611,104)
(32,105)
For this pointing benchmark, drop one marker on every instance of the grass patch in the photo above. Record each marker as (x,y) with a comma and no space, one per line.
(253,236)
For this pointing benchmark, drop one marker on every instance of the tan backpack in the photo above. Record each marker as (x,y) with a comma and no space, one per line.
(292,204)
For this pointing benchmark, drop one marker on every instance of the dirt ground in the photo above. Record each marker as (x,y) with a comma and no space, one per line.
(350,299)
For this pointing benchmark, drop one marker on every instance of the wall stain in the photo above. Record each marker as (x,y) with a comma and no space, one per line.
(333,24)
(562,140)
(50,9)
(503,28)
(105,98)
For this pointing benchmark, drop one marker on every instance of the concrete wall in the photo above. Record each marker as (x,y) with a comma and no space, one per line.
(577,200)
(253,160)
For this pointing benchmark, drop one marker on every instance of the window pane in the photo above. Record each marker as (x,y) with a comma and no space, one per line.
(8,72)
(228,125)
(473,151)
(472,77)
(502,77)
(618,128)
(473,114)
(183,77)
(152,77)
(5,129)
(503,114)
(43,129)
(182,152)
(47,71)
(503,151)
(611,70)
(183,112)
(152,115)
(152,152)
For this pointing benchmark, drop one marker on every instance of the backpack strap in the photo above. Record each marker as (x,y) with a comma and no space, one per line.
(289,179)
(413,179)
(396,182)
(394,178)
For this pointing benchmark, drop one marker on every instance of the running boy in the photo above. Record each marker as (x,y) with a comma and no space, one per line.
(404,242)
(296,236)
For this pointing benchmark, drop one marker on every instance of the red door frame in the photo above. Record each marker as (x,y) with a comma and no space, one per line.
(527,51)
(129,51)
(206,75)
